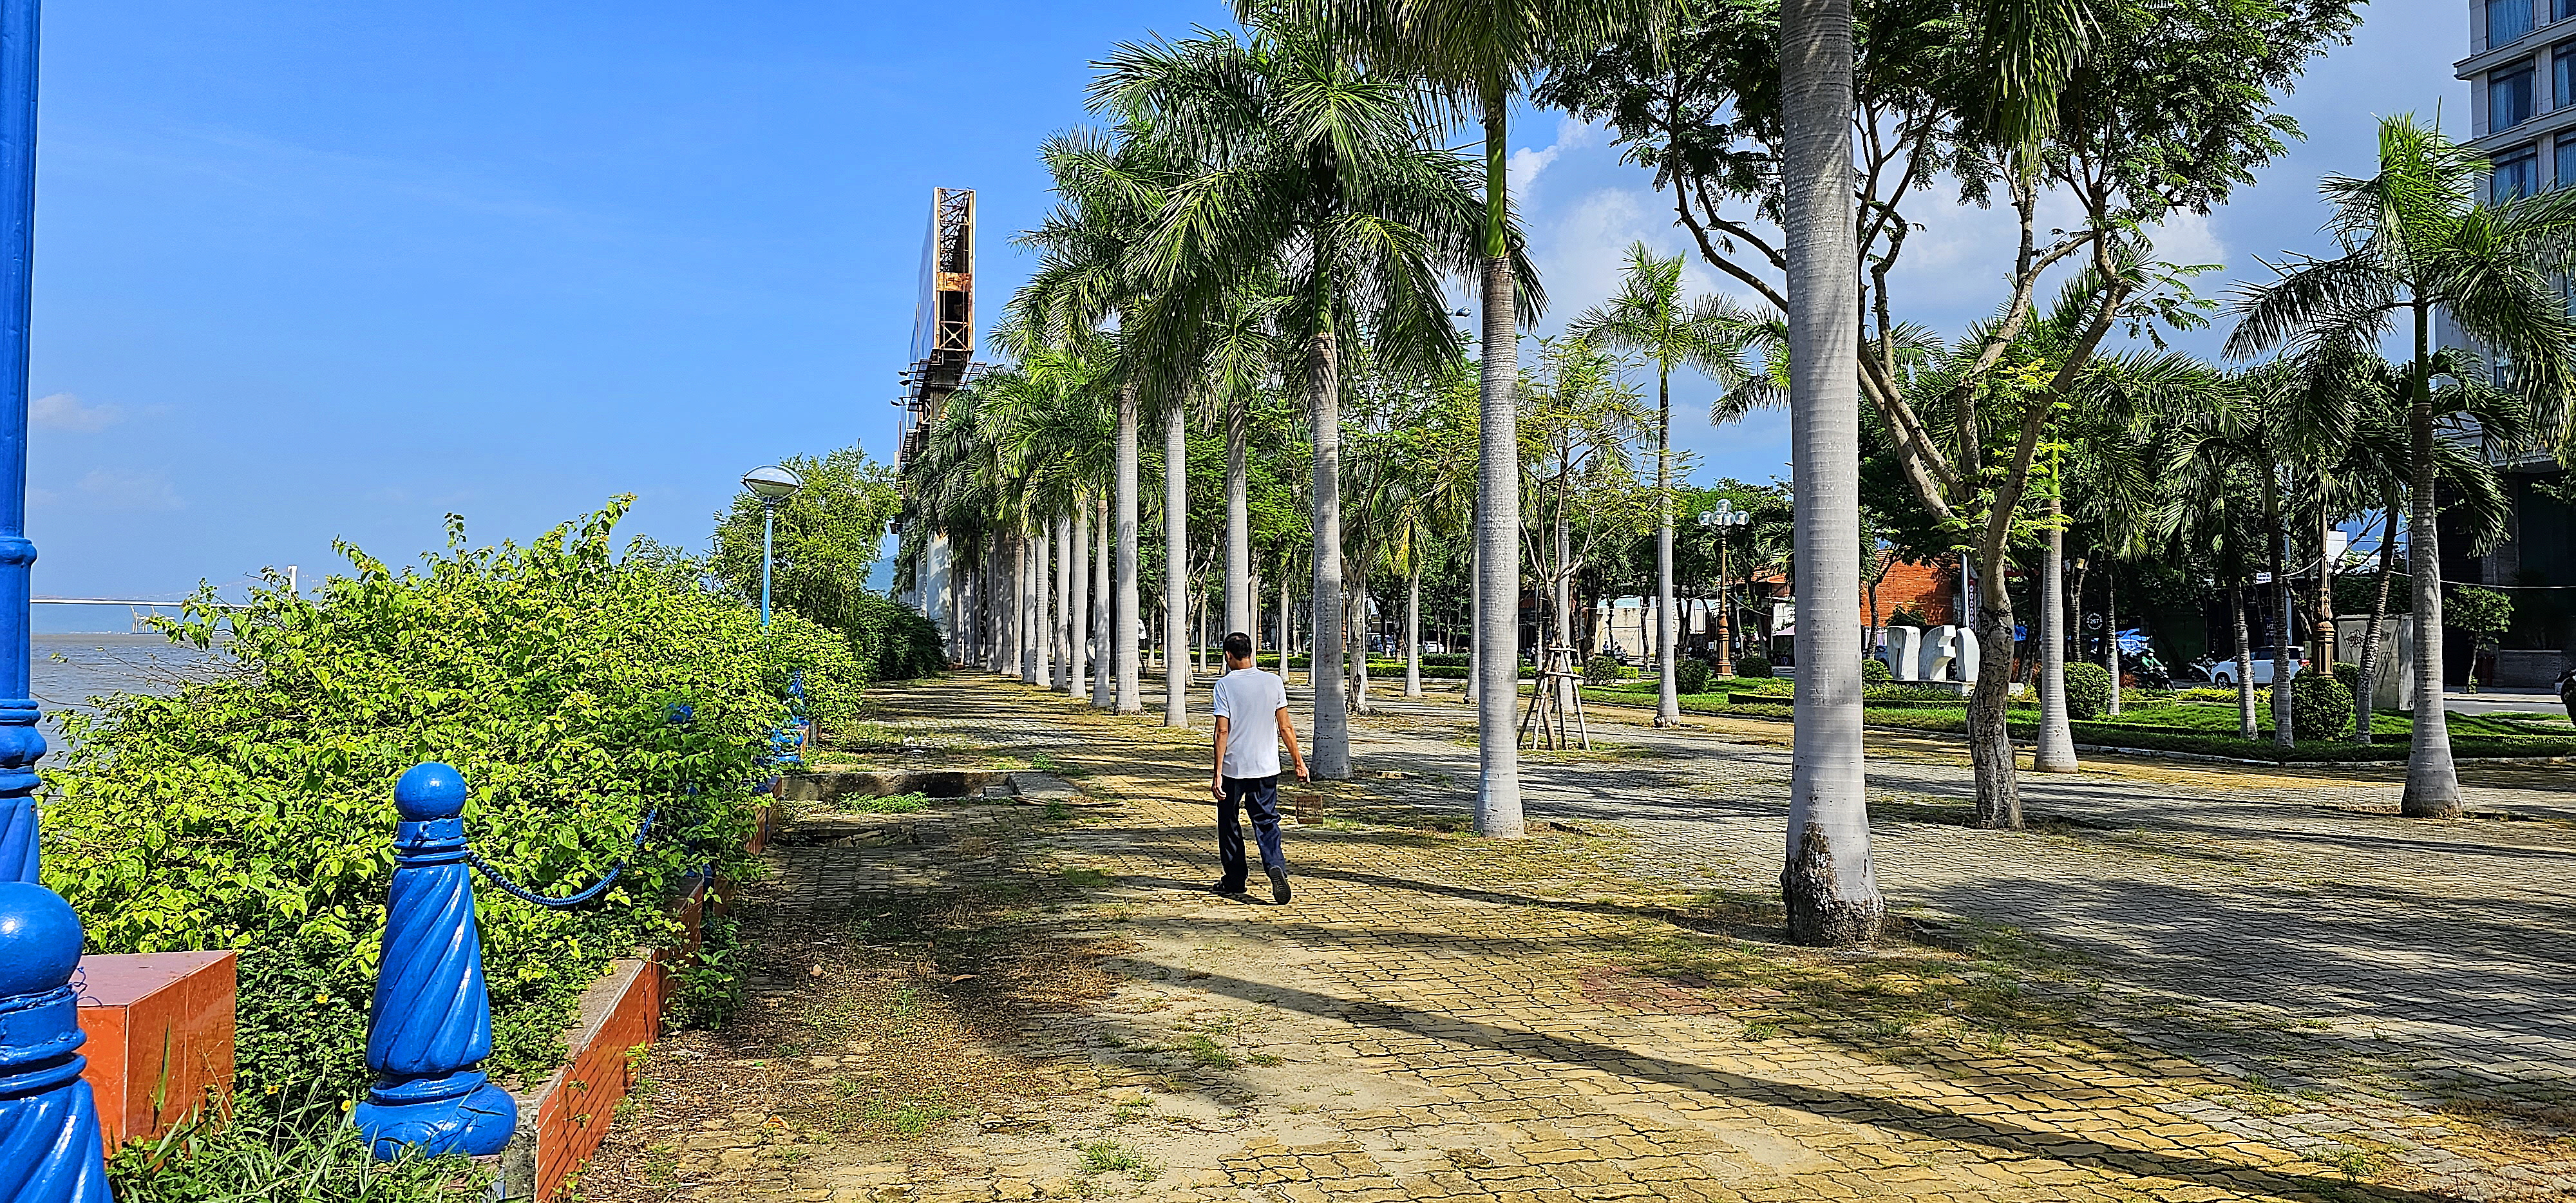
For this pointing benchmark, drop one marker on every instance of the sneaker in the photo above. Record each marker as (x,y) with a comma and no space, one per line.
(1226,887)
(1278,883)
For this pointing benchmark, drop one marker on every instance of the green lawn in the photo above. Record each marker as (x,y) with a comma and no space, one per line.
(2203,728)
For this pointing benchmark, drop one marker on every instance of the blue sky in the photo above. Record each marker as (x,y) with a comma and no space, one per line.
(309,271)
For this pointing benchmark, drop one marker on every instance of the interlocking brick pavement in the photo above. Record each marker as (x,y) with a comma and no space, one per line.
(2283,997)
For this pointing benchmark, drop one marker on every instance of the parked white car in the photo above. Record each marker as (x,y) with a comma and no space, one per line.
(2223,673)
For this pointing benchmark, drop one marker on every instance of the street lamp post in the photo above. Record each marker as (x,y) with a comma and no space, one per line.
(773,485)
(1720,520)
(45,1105)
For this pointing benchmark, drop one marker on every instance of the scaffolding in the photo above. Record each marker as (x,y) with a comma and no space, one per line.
(943,319)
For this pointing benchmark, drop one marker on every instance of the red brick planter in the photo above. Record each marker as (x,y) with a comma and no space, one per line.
(562,1121)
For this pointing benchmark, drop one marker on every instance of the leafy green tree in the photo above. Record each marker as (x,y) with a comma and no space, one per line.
(2416,238)
(2010,99)
(828,538)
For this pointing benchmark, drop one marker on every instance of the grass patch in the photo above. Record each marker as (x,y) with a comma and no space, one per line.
(1111,1156)
(891,804)
(906,1117)
(1085,879)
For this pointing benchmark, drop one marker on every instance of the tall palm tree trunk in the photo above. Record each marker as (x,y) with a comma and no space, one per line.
(1077,609)
(1104,673)
(1068,569)
(2056,753)
(1284,575)
(2110,626)
(2368,677)
(1241,612)
(1331,759)
(2284,688)
(996,628)
(1498,495)
(1668,703)
(1042,604)
(2244,659)
(1024,594)
(2432,781)
(1413,626)
(1827,881)
(1475,603)
(1176,567)
(1124,632)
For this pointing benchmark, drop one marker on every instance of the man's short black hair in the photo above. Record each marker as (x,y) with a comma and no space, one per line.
(1238,646)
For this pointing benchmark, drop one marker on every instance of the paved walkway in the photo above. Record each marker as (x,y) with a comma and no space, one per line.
(2231,986)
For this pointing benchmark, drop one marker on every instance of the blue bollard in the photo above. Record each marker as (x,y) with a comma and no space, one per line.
(430,1023)
(49,1140)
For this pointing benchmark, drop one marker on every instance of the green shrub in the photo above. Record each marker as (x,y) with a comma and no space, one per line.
(892,642)
(1874,671)
(2209,693)
(2088,690)
(1690,675)
(254,810)
(1753,665)
(1912,693)
(1602,670)
(2349,675)
(2319,708)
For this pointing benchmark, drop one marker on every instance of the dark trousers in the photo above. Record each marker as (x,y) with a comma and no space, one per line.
(1260,797)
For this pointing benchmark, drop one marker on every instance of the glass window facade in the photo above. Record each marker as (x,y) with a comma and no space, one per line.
(2565,161)
(2562,9)
(2517,173)
(2506,20)
(2562,74)
(2509,96)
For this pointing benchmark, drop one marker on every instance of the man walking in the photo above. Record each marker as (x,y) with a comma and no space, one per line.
(1251,722)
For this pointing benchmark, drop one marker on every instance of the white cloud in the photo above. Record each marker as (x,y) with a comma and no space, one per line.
(112,489)
(2189,240)
(63,411)
(1525,164)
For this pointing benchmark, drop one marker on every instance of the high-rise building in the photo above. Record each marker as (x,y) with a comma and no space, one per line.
(2521,73)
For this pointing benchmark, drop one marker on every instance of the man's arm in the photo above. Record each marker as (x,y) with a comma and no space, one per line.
(1288,733)
(1216,771)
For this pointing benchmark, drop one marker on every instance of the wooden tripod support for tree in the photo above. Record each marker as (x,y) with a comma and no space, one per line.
(1548,713)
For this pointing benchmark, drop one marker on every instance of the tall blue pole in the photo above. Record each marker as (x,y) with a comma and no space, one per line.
(20,743)
(50,1148)
(768,541)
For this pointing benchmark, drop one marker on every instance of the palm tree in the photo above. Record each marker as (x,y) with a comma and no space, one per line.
(1478,54)
(1650,317)
(1329,176)
(2415,239)
(1828,884)
(1090,271)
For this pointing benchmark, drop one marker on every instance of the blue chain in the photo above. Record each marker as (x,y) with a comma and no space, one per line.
(597,888)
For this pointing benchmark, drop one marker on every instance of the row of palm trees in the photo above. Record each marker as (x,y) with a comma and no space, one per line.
(1284,196)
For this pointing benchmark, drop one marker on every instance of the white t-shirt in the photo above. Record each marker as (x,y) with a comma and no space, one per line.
(1248,699)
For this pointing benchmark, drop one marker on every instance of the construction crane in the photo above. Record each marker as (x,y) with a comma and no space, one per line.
(943,320)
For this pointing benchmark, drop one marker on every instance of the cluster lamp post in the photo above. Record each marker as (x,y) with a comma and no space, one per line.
(1721,520)
(773,485)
